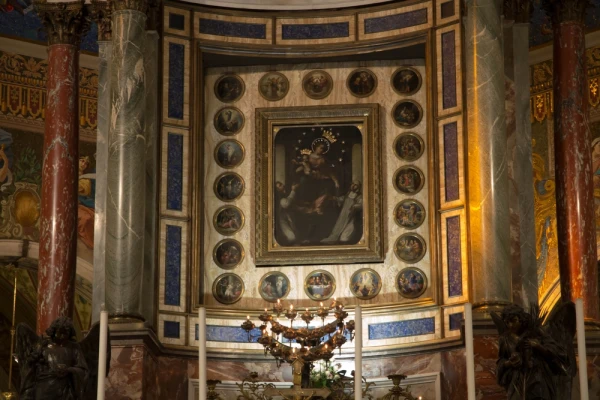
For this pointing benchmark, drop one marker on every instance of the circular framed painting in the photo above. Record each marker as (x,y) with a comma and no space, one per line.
(274,286)
(229,88)
(228,253)
(411,282)
(228,288)
(229,121)
(365,283)
(407,113)
(409,180)
(409,146)
(228,220)
(229,153)
(229,186)
(319,285)
(409,214)
(406,81)
(317,84)
(361,82)
(410,248)
(273,86)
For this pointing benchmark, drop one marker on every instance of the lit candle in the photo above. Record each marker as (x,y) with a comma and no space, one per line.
(265,310)
(583,377)
(293,350)
(469,351)
(248,317)
(291,307)
(102,353)
(202,352)
(321,304)
(358,354)
(278,301)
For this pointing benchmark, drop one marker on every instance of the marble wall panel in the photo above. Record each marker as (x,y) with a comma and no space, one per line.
(172,329)
(449,70)
(453,320)
(176,21)
(233,29)
(176,85)
(173,378)
(454,256)
(386,97)
(446,11)
(174,186)
(451,160)
(395,22)
(454,374)
(173,265)
(125,377)
(312,31)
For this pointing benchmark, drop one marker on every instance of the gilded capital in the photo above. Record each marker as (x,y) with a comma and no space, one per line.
(102,15)
(133,5)
(518,10)
(65,23)
(565,10)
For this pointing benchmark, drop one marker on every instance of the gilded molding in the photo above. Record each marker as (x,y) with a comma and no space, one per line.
(133,5)
(518,10)
(66,23)
(102,14)
(566,10)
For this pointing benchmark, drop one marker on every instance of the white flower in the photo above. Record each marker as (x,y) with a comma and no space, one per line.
(328,375)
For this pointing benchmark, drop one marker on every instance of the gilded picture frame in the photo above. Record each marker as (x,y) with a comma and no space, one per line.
(318,185)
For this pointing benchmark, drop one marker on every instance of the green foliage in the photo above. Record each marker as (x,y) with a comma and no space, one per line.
(28,168)
(323,374)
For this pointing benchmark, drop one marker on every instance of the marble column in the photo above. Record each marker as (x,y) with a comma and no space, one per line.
(487,155)
(64,23)
(125,203)
(102,16)
(577,258)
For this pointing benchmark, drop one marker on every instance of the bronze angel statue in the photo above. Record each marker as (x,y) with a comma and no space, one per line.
(536,357)
(55,366)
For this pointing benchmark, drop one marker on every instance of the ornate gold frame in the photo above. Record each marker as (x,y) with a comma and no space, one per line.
(289,286)
(218,178)
(219,278)
(407,93)
(370,247)
(407,166)
(370,73)
(425,283)
(217,116)
(404,202)
(221,242)
(227,76)
(217,151)
(412,134)
(365,297)
(322,72)
(320,271)
(273,73)
(420,239)
(223,208)
(417,122)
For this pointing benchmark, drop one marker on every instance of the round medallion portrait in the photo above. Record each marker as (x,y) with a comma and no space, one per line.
(229,153)
(410,248)
(365,283)
(407,113)
(409,146)
(361,82)
(411,282)
(229,121)
(229,186)
(228,220)
(274,286)
(319,285)
(228,288)
(228,253)
(408,180)
(229,88)
(409,214)
(273,86)
(406,81)
(317,84)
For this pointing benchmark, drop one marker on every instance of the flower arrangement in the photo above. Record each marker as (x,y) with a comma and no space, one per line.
(324,373)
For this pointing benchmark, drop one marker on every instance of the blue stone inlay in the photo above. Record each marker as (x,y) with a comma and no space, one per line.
(217,333)
(455,321)
(398,329)
(174,172)
(451,178)
(176,80)
(197,335)
(171,329)
(454,256)
(315,31)
(396,21)
(173,266)
(233,29)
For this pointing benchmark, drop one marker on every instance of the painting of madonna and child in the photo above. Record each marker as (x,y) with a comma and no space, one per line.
(318,193)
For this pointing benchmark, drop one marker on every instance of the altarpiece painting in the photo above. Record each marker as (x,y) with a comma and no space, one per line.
(318,186)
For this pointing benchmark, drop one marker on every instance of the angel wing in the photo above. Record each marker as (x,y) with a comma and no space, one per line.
(28,351)
(499,322)
(90,346)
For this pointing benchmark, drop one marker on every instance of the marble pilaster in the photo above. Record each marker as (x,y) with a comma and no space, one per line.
(65,23)
(103,19)
(487,149)
(577,256)
(125,205)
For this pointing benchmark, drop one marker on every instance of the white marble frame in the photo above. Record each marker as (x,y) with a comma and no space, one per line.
(399,341)
(441,112)
(351,19)
(438,12)
(174,10)
(184,213)
(452,310)
(444,205)
(238,19)
(182,329)
(463,255)
(393,11)
(185,122)
(162,266)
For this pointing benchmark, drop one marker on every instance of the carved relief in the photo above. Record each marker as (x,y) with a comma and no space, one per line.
(66,23)
(102,14)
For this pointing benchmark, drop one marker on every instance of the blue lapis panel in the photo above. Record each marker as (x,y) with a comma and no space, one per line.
(315,31)
(176,80)
(173,266)
(396,21)
(174,172)
(234,334)
(455,321)
(171,329)
(233,29)
(453,241)
(399,329)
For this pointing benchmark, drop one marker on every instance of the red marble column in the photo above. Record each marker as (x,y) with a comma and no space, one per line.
(572,139)
(64,23)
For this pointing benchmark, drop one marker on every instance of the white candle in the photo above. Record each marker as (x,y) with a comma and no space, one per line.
(469,351)
(583,386)
(202,352)
(102,353)
(358,353)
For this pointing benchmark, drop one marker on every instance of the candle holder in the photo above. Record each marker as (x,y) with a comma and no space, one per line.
(278,308)
(291,314)
(397,392)
(248,326)
(307,317)
(211,393)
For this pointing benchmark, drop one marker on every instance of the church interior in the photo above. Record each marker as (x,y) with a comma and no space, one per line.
(358,198)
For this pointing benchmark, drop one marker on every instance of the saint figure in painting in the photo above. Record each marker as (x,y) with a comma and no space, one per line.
(350,217)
